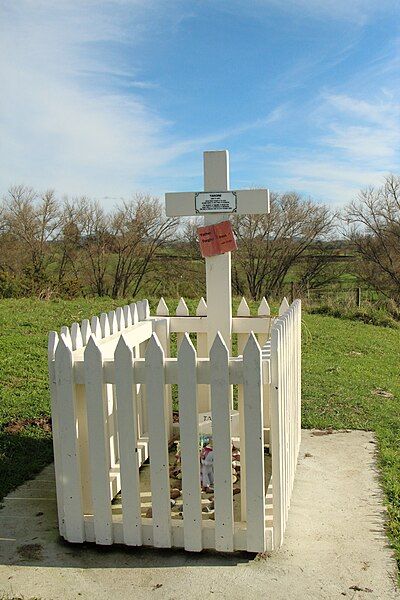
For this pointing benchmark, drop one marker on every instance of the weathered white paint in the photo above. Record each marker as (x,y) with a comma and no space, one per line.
(162,308)
(69,447)
(99,449)
(158,446)
(222,446)
(254,445)
(242,311)
(112,322)
(76,336)
(204,401)
(181,311)
(95,327)
(189,438)
(126,393)
(55,422)
(183,204)
(104,325)
(272,372)
(85,331)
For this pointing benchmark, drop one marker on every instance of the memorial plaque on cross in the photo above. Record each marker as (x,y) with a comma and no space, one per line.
(216,203)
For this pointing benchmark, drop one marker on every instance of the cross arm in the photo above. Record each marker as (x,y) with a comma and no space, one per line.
(242,202)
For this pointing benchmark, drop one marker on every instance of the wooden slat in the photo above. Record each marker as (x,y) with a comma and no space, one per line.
(119,314)
(276,437)
(189,438)
(264,311)
(242,311)
(95,327)
(171,371)
(128,435)
(99,449)
(204,402)
(162,308)
(76,336)
(112,322)
(254,445)
(181,311)
(127,316)
(55,422)
(284,306)
(69,447)
(183,324)
(158,446)
(85,331)
(104,325)
(221,430)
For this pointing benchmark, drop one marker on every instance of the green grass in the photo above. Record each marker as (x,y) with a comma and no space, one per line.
(344,362)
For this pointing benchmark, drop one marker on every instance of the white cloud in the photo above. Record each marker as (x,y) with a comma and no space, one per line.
(60,124)
(356,141)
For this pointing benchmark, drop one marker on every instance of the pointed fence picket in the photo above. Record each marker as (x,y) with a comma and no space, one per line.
(189,438)
(126,393)
(158,445)
(110,382)
(202,352)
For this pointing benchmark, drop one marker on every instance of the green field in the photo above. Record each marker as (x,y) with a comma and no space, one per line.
(350,381)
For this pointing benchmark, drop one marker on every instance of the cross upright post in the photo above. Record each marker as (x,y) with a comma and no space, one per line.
(218,268)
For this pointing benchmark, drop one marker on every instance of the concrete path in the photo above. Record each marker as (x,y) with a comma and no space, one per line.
(334,546)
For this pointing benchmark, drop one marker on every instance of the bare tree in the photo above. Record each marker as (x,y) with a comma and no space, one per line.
(86,242)
(33,222)
(269,245)
(373,221)
(138,229)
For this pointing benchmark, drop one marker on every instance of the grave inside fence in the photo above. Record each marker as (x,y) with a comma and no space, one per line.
(180,430)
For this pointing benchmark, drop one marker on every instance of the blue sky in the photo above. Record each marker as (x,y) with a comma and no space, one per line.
(106,98)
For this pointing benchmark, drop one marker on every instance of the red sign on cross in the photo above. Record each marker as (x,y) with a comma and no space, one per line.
(216,239)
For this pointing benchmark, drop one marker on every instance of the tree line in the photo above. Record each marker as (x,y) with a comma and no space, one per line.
(62,247)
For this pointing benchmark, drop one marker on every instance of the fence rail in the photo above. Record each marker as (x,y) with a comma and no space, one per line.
(110,381)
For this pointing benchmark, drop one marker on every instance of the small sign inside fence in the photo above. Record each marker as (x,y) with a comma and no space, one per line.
(215,202)
(205,423)
(216,239)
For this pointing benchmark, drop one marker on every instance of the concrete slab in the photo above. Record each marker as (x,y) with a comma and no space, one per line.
(334,547)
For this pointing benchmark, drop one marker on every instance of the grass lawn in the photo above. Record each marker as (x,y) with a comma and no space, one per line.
(350,381)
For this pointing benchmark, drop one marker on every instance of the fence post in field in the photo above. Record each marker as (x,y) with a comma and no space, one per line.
(358,297)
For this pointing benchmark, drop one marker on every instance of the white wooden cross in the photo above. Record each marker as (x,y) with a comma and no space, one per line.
(216,203)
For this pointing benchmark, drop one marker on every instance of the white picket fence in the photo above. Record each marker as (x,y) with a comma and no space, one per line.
(110,382)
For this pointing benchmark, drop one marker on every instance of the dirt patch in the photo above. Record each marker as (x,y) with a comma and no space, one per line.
(20,425)
(30,551)
(382,393)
